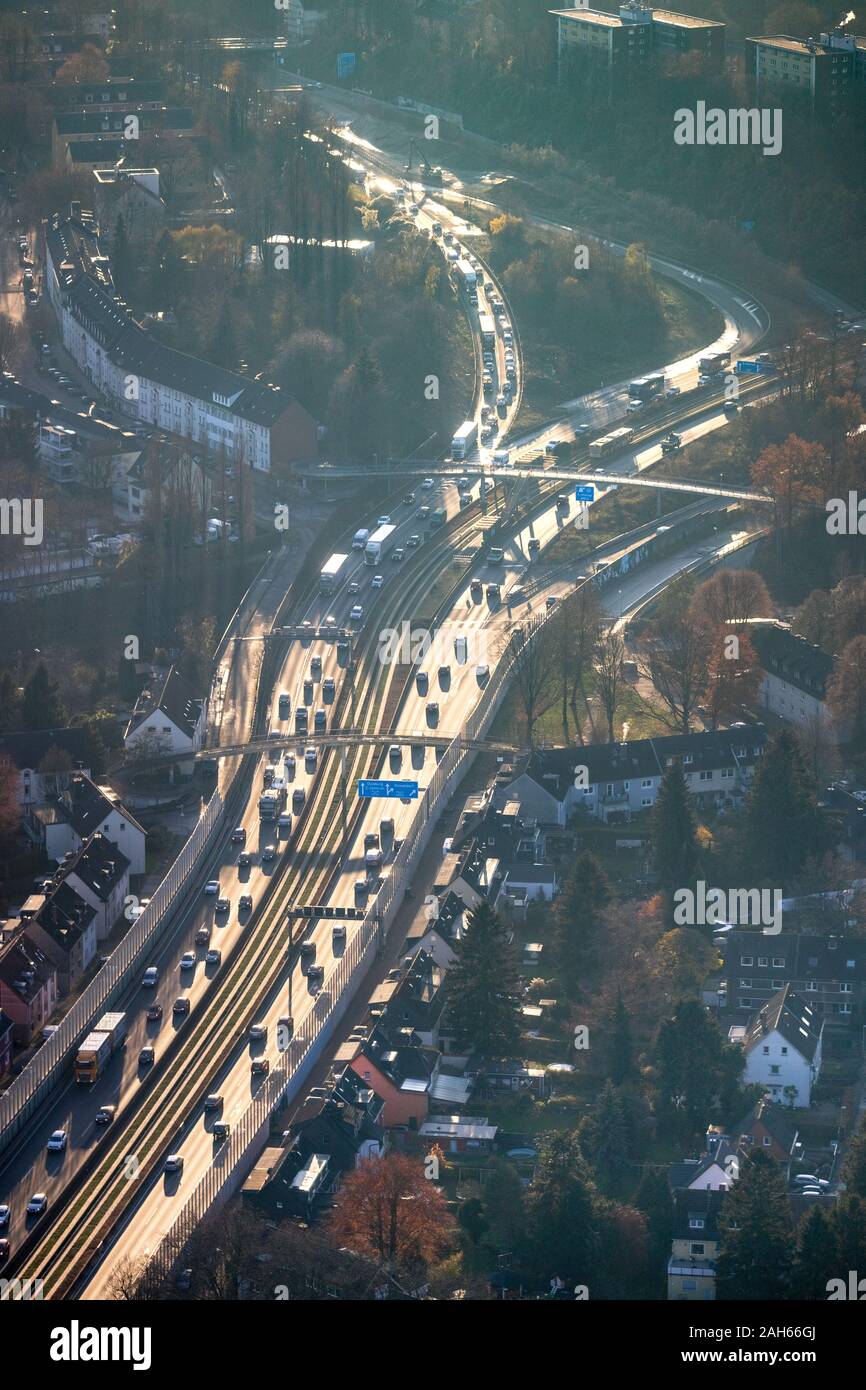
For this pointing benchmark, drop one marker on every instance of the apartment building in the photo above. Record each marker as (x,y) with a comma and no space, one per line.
(820,72)
(829,972)
(119,128)
(795,674)
(636,37)
(246,421)
(782,1044)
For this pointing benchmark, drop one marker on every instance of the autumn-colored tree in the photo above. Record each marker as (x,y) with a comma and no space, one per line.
(731,597)
(387,1210)
(796,473)
(90,65)
(846,692)
(733,677)
(10,812)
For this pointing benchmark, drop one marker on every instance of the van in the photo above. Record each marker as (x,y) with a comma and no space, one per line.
(360,539)
(386,830)
(301,725)
(373,859)
(298,798)
(501,458)
(285,704)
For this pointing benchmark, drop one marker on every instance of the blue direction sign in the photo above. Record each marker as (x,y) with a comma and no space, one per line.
(745,368)
(397,790)
(584,494)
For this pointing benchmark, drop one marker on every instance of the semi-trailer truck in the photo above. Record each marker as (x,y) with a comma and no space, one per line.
(329,577)
(487,329)
(272,802)
(713,362)
(464,439)
(99,1047)
(466,276)
(377,545)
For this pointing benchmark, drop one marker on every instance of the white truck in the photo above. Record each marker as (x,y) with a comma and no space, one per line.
(329,577)
(377,545)
(465,275)
(464,439)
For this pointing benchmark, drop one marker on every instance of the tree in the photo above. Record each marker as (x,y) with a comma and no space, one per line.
(484,1003)
(620,1044)
(577,917)
(818,1259)
(504,1200)
(121,257)
(610,655)
(603,1134)
(757,1247)
(166,272)
(733,677)
(674,833)
(388,1211)
(846,692)
(849,1222)
(10,812)
(854,1168)
(10,703)
(674,657)
(653,1198)
(731,597)
(534,660)
(691,1065)
(560,1210)
(42,706)
(90,65)
(223,347)
(13,344)
(783,824)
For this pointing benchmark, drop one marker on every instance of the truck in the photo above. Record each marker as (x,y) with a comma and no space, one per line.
(487,329)
(377,545)
(99,1047)
(438,518)
(272,802)
(713,362)
(645,388)
(360,538)
(465,275)
(329,577)
(608,442)
(464,439)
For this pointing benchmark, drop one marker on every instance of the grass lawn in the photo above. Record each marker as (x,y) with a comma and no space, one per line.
(510,726)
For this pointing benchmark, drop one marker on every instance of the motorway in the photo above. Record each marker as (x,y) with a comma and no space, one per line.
(159,1106)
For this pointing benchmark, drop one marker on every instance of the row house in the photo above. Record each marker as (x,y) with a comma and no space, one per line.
(62,826)
(28,988)
(64,929)
(828,972)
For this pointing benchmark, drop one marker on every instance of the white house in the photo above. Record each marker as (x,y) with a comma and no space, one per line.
(29,752)
(100,875)
(782,1044)
(168,717)
(82,808)
(795,675)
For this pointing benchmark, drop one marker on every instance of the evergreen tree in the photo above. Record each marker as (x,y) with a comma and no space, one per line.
(849,1220)
(674,834)
(604,1136)
(620,1047)
(854,1168)
(10,704)
(166,272)
(484,1003)
(653,1198)
(692,1063)
(578,919)
(561,1211)
(504,1207)
(42,707)
(757,1246)
(818,1259)
(783,824)
(223,348)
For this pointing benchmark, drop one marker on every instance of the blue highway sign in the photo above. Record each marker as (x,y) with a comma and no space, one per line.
(396,790)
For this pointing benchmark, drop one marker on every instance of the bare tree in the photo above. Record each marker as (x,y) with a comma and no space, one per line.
(13,343)
(534,662)
(675,659)
(609,657)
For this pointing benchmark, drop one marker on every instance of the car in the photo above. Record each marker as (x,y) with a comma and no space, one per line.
(422,682)
(269,853)
(214,956)
(432,711)
(174,1163)
(487,383)
(222,905)
(414,540)
(398,555)
(377,581)
(316,976)
(146,1056)
(463,483)
(284,821)
(298,799)
(212,887)
(730,407)
(362,888)
(482,672)
(357,613)
(383,520)
(316,661)
(5,1213)
(58,1141)
(37,1204)
(409,498)
(213,1102)
(4,1250)
(633,407)
(221,1131)
(311,758)
(284,705)
(105,1114)
(354,586)
(180,1006)
(395,757)
(428,483)
(187,960)
(308,636)
(154,1013)
(423,513)
(183,1282)
(550,601)
(805,1180)
(308,691)
(150,977)
(245,860)
(672,391)
(329,690)
(259,1066)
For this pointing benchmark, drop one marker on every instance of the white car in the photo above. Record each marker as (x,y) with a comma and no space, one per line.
(258,1031)
(187,960)
(633,407)
(482,673)
(428,483)
(174,1163)
(5,1212)
(384,520)
(377,581)
(354,587)
(212,887)
(57,1142)
(37,1204)
(357,613)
